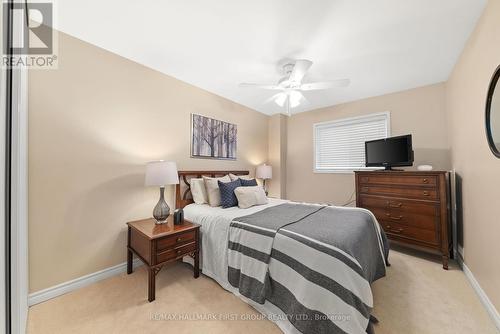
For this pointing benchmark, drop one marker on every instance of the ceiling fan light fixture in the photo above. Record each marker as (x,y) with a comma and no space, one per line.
(290,86)
(280,99)
(295,98)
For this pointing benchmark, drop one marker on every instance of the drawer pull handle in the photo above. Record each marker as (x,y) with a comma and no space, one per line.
(179,251)
(393,218)
(179,239)
(399,230)
(397,205)
(425,181)
(426,193)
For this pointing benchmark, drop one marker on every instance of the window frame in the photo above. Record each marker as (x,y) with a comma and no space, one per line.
(348,120)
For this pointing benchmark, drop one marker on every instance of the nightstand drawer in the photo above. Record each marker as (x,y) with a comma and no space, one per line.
(175,241)
(171,254)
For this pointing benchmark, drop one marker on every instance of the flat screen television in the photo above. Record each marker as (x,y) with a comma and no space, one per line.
(389,152)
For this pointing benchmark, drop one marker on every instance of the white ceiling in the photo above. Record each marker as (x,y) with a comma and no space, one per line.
(382,46)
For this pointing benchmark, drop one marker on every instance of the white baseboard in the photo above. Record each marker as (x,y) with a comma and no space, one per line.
(60,289)
(488,305)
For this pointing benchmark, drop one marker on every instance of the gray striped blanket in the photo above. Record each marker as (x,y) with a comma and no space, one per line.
(313,262)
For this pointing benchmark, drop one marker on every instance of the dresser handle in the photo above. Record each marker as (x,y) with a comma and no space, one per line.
(179,251)
(179,239)
(392,217)
(426,193)
(425,181)
(397,205)
(399,230)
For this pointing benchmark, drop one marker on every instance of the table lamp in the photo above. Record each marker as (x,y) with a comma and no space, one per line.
(161,173)
(264,172)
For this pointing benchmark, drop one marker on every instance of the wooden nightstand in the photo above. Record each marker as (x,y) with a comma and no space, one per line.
(156,245)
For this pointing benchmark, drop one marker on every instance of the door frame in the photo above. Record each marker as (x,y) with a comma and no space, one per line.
(14,144)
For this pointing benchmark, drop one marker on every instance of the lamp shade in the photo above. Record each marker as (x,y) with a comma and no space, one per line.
(161,173)
(264,172)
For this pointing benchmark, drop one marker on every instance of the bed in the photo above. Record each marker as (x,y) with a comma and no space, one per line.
(298,264)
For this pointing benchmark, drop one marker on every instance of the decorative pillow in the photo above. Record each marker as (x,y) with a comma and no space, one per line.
(248,183)
(242,177)
(199,191)
(212,188)
(227,196)
(250,196)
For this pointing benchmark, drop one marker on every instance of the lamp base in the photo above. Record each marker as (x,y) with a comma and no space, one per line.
(161,222)
(161,210)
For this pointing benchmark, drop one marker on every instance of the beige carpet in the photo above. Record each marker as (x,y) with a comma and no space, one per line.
(417,296)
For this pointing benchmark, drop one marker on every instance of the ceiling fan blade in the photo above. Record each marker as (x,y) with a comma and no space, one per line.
(299,70)
(325,85)
(259,86)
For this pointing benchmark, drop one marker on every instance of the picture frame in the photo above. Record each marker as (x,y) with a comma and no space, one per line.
(213,139)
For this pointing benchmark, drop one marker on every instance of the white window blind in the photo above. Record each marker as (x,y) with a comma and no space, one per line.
(340,145)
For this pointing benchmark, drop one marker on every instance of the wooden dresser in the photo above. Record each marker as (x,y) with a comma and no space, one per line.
(412,207)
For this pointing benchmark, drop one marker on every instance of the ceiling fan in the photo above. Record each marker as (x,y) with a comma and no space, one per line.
(291,86)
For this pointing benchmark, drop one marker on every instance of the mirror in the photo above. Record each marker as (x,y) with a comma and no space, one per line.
(493,114)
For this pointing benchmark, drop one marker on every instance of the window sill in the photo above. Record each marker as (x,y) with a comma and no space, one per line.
(343,171)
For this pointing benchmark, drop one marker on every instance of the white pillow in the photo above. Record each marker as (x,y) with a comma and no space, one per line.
(199,191)
(212,188)
(250,196)
(236,177)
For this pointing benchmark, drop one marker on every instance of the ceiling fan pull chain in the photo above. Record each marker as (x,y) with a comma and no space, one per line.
(288,105)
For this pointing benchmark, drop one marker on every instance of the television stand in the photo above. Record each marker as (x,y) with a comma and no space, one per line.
(389,168)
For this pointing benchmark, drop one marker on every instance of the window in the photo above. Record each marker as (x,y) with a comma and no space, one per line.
(339,146)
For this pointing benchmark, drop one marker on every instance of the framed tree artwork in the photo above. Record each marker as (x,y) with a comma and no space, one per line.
(211,138)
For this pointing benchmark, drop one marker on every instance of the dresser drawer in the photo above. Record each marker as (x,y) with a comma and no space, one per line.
(171,254)
(422,180)
(400,205)
(409,192)
(417,220)
(175,240)
(413,233)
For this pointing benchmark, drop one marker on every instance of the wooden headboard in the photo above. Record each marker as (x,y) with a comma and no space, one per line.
(183,195)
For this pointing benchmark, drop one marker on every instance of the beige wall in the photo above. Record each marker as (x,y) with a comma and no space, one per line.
(466,93)
(419,111)
(93,124)
(277,155)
